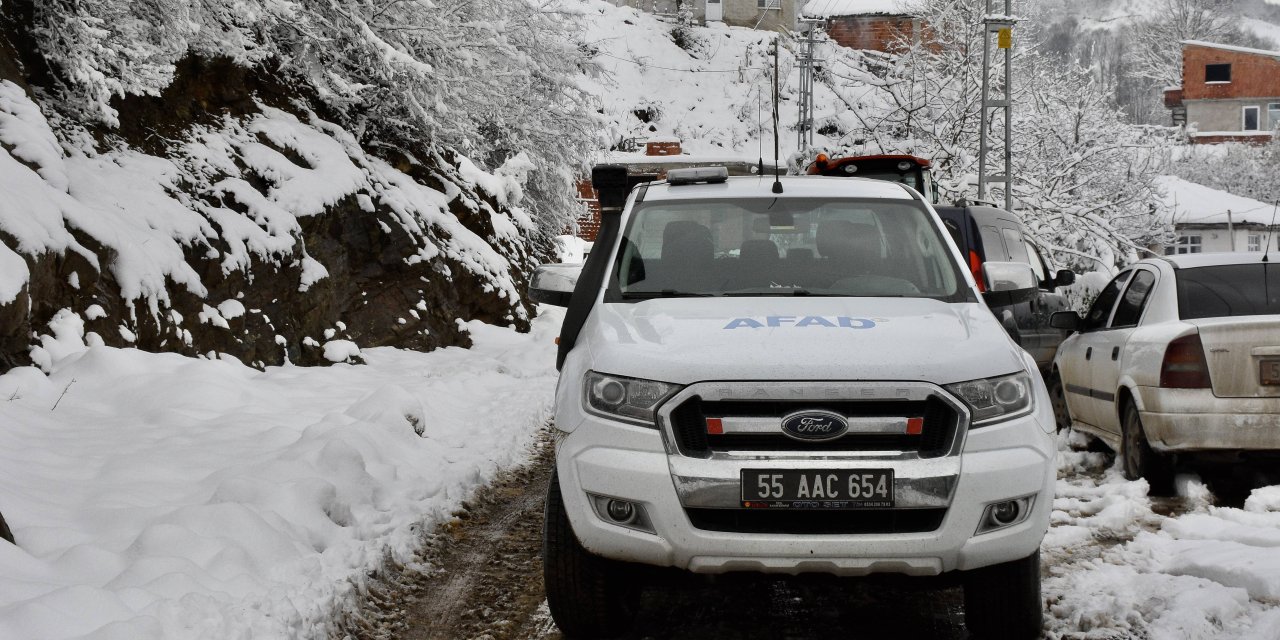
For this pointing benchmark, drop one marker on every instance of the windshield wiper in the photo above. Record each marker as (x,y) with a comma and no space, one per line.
(665,293)
(776,292)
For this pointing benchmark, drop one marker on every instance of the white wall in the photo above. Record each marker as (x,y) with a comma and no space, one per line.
(1215,239)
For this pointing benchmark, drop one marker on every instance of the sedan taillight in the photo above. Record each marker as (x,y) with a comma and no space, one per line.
(1184,365)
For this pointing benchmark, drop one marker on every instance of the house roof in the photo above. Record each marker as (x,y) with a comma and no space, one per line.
(1227,47)
(1190,203)
(838,8)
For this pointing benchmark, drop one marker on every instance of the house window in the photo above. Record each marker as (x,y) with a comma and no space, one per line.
(1273,115)
(1186,244)
(769,4)
(1251,118)
(1217,73)
(1255,242)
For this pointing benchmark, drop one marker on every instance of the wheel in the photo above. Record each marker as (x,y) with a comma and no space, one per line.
(1002,602)
(1058,400)
(589,596)
(1139,460)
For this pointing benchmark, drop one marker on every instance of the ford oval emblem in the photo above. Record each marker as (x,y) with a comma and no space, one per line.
(815,426)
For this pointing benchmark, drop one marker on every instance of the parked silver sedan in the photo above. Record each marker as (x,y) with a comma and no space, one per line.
(1178,359)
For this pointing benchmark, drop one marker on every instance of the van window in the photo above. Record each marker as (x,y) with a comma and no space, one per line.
(1013,243)
(993,245)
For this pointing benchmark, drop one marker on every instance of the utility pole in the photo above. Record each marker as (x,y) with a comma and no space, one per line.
(804,128)
(1002,27)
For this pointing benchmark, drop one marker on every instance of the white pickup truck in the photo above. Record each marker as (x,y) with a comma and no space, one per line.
(803,381)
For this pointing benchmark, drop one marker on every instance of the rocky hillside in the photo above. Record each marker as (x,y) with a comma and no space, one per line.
(238,207)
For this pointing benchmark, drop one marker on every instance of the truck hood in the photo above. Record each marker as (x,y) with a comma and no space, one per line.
(687,340)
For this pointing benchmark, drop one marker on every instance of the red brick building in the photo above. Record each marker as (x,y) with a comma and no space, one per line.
(1228,93)
(873,25)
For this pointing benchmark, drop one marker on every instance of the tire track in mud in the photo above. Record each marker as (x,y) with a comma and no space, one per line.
(479,577)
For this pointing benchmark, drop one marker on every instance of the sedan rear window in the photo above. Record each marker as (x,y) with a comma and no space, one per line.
(1229,290)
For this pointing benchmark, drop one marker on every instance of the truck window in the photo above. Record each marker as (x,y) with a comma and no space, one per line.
(784,247)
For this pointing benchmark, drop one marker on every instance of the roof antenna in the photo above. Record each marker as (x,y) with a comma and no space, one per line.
(777,171)
(760,127)
(1271,231)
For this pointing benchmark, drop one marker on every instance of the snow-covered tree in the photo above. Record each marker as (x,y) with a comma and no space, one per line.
(1083,176)
(490,79)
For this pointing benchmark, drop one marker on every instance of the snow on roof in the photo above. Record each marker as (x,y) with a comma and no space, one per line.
(1227,47)
(1191,203)
(834,8)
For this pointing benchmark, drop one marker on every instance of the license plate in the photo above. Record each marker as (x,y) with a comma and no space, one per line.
(1270,371)
(818,488)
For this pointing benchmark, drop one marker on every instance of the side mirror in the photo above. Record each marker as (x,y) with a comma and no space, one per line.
(1068,320)
(553,284)
(1009,276)
(1064,278)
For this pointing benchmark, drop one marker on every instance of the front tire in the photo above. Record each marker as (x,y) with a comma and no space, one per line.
(1139,459)
(589,596)
(1002,602)
(1058,400)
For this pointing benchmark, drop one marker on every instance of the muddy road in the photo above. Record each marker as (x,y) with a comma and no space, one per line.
(479,576)
(485,582)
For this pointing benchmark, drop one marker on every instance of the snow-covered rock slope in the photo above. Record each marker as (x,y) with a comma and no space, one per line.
(161,496)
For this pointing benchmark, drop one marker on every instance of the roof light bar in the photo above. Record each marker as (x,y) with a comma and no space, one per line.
(694,175)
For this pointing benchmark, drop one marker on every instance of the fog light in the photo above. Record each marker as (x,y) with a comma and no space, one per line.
(1005,513)
(621,511)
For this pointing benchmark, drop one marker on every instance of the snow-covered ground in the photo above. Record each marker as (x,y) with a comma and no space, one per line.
(161,496)
(1121,569)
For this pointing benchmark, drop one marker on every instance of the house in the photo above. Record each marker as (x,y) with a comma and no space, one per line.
(770,15)
(873,25)
(1208,220)
(1228,93)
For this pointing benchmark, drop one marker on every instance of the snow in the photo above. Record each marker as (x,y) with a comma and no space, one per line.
(1263,29)
(236,191)
(176,497)
(1228,47)
(571,249)
(1190,203)
(340,350)
(834,8)
(1119,569)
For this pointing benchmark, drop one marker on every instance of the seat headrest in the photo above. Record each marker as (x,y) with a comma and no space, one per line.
(687,241)
(759,251)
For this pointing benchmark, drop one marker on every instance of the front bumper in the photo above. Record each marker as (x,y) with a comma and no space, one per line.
(1197,420)
(991,464)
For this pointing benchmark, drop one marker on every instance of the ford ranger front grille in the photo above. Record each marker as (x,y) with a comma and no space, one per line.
(694,437)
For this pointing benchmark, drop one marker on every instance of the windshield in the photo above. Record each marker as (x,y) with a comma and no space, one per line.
(1229,290)
(784,247)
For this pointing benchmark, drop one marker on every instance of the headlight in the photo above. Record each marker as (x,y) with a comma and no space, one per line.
(996,399)
(626,399)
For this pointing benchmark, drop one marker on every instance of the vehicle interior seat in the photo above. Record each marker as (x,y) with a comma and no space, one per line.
(688,255)
(759,263)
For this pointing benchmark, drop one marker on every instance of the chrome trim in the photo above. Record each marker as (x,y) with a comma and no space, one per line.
(857,425)
(715,482)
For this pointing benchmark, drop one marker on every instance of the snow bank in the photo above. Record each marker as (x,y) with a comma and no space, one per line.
(1119,569)
(172,497)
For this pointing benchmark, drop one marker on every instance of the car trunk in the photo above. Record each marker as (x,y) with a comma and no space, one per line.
(1240,352)
(1237,309)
